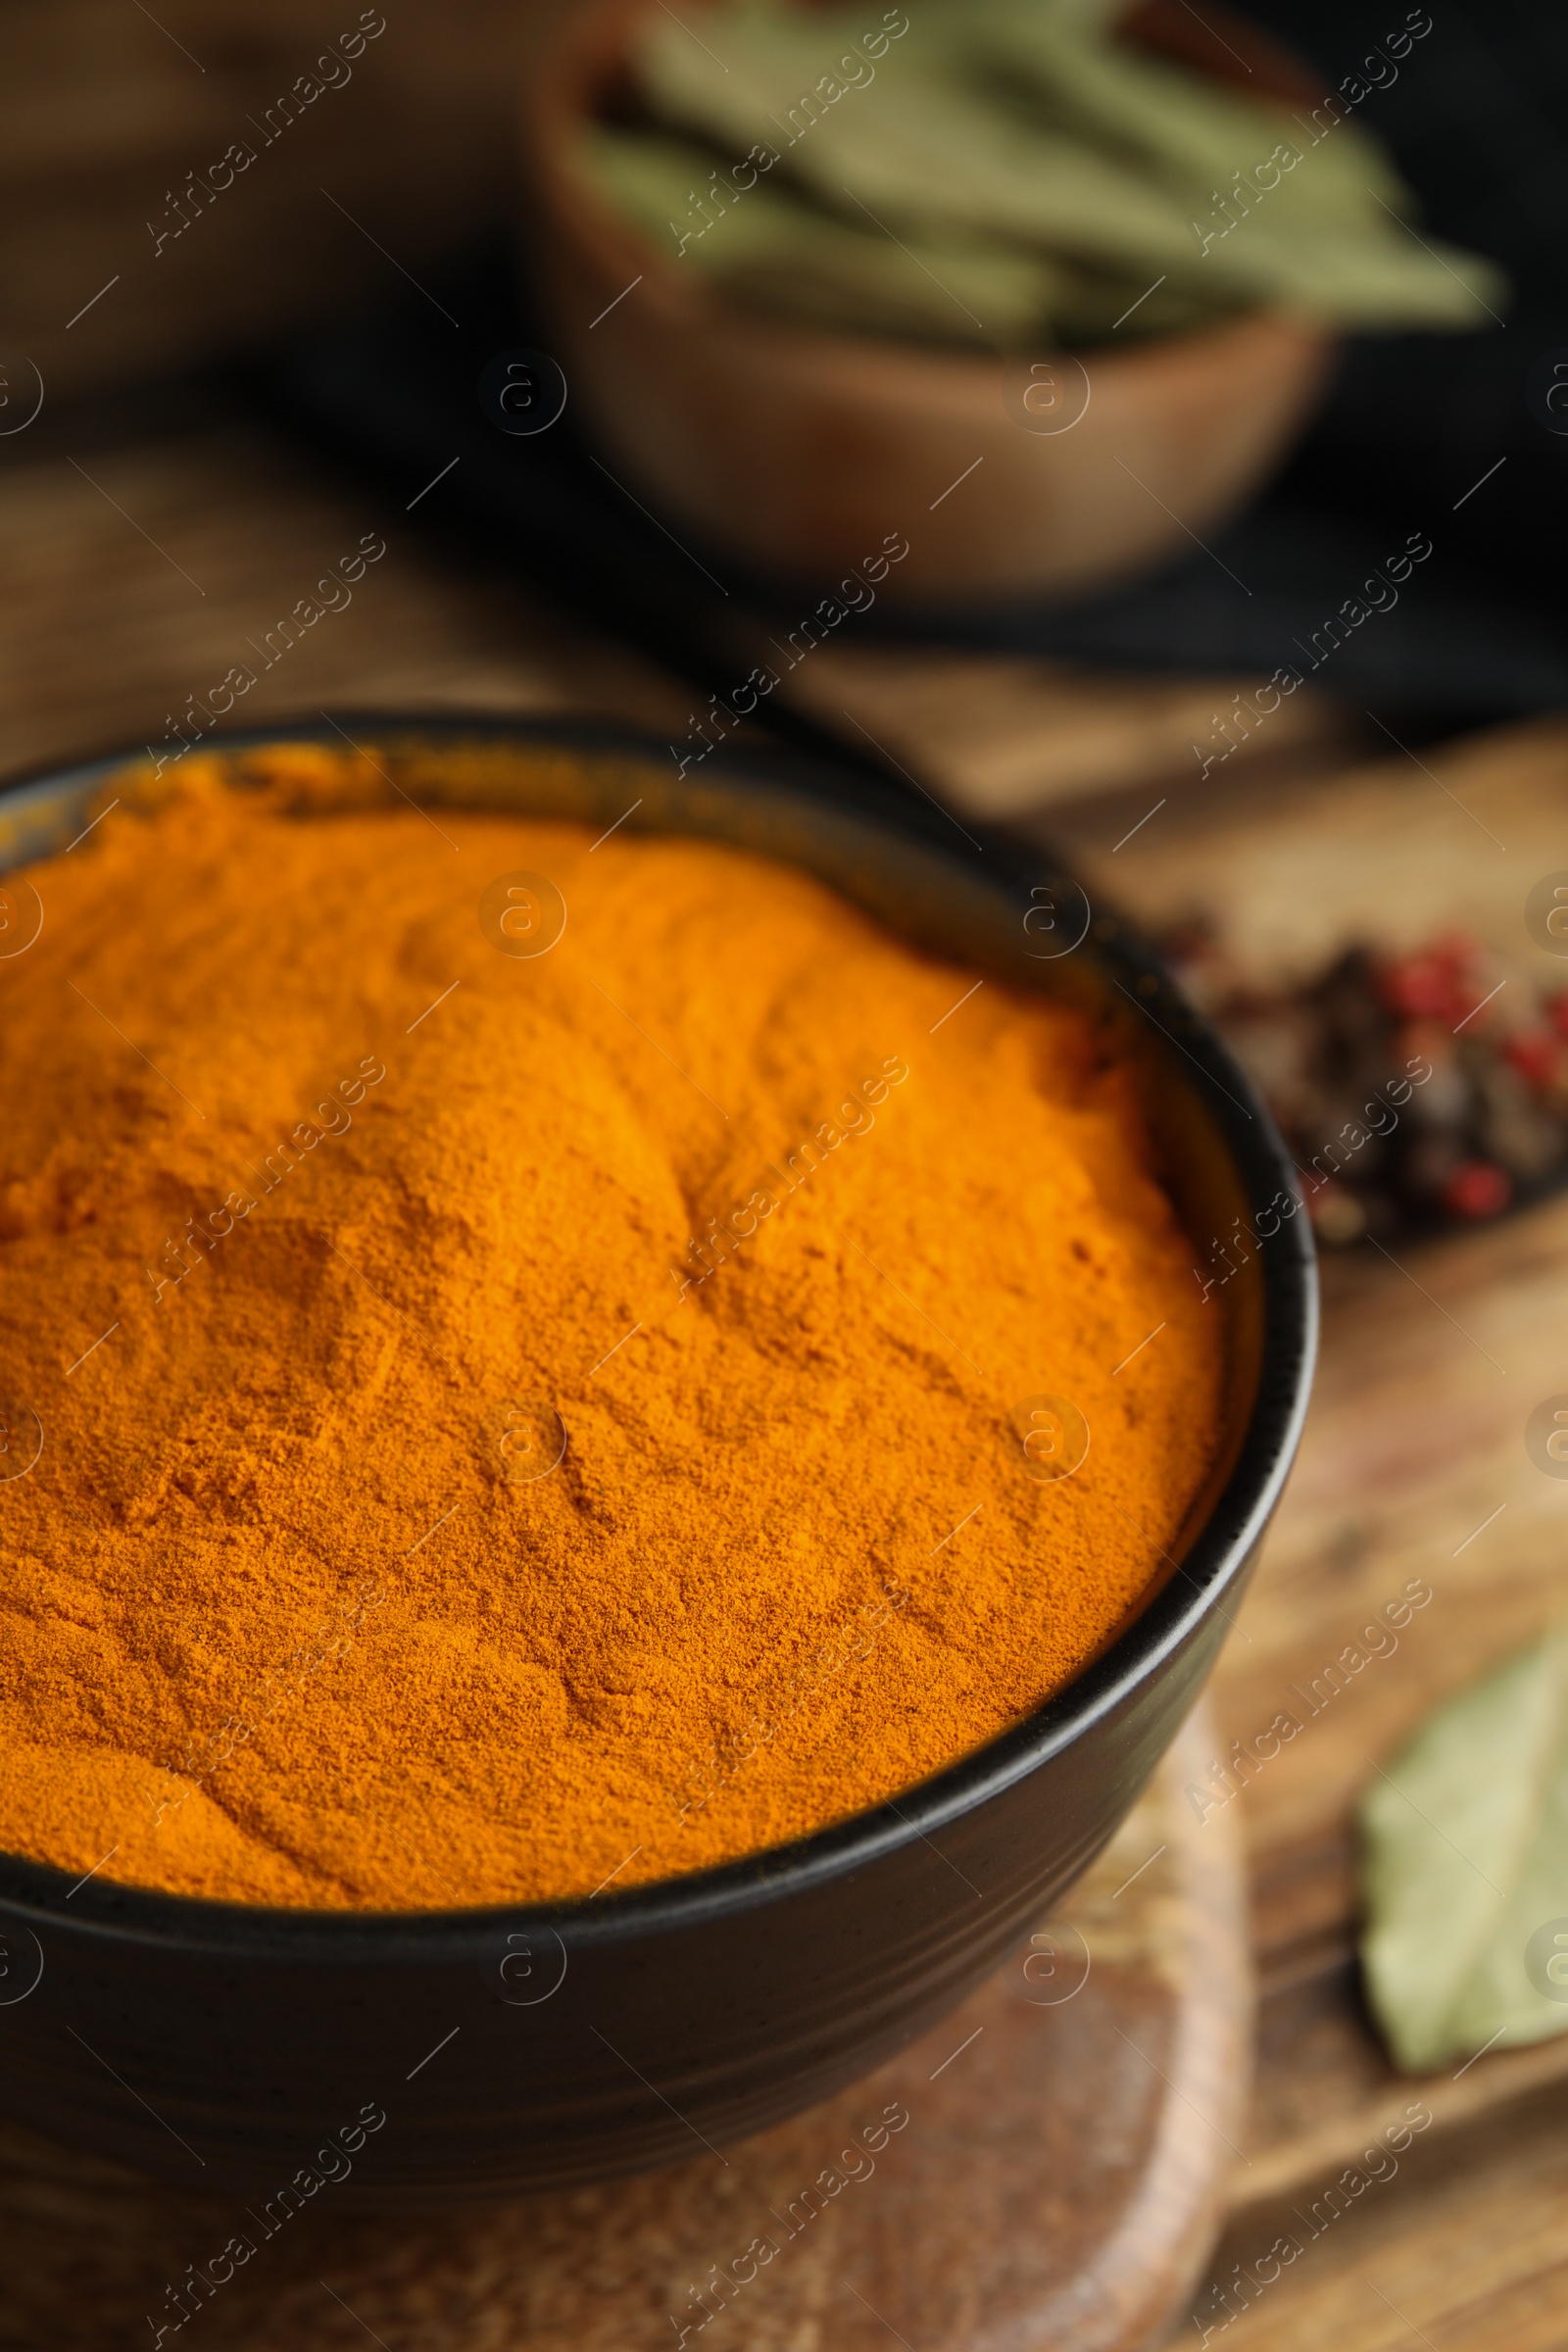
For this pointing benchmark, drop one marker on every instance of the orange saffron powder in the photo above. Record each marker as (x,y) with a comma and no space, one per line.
(507,1422)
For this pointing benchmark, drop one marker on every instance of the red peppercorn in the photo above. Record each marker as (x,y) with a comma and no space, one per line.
(1477,1189)
(1535,1053)
(1441,981)
(1416,986)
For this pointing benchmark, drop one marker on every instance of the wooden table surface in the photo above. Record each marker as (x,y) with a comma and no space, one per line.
(141,556)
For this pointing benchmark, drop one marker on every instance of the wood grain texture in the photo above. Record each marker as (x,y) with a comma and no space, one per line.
(136,572)
(1056,2174)
(1453,835)
(106,110)
(1007,737)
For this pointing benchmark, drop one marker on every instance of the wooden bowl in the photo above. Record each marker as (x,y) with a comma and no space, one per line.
(797,450)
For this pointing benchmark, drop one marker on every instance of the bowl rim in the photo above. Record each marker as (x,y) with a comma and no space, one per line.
(1215,1558)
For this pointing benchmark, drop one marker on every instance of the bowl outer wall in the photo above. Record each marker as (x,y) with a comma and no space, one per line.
(165,2030)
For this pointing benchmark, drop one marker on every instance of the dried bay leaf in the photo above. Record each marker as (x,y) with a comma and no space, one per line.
(772,246)
(1465,1860)
(1071,177)
(920,148)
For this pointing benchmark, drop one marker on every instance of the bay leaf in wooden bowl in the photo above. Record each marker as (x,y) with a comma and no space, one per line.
(801,451)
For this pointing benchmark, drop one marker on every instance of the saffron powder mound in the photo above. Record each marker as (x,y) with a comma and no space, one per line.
(491,1413)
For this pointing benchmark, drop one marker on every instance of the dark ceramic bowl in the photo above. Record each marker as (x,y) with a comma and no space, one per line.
(221,2045)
